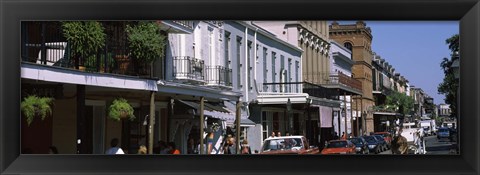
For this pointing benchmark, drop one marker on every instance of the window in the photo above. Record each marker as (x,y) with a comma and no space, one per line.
(289,74)
(273,71)
(227,49)
(348,45)
(283,73)
(297,68)
(239,63)
(265,70)
(249,68)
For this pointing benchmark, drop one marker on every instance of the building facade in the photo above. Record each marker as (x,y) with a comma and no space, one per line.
(79,122)
(358,38)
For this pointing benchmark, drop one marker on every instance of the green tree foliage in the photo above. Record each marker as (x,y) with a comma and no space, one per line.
(85,37)
(145,41)
(400,102)
(34,106)
(449,85)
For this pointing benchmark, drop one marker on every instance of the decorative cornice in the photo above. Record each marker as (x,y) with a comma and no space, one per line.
(313,41)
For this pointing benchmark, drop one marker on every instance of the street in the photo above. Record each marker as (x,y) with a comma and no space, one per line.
(435,146)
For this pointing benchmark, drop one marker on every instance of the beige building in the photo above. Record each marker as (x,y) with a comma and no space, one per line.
(358,38)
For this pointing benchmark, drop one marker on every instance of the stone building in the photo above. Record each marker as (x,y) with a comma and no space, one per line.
(358,38)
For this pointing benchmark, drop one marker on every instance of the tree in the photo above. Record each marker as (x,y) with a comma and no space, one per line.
(400,101)
(449,85)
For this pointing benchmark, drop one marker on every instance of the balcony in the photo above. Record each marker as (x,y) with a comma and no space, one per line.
(218,76)
(189,69)
(320,91)
(335,80)
(176,26)
(276,88)
(43,43)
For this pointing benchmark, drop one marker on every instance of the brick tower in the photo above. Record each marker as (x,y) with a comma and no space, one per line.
(358,38)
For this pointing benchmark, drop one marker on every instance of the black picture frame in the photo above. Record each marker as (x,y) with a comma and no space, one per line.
(12,12)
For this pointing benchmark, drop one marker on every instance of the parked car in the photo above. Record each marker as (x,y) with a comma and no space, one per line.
(288,145)
(387,136)
(339,147)
(382,141)
(374,146)
(361,145)
(443,133)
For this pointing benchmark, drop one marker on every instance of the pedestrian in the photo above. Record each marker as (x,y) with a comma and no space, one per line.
(279,134)
(245,147)
(210,142)
(173,148)
(164,149)
(272,135)
(344,137)
(142,149)
(230,148)
(191,149)
(287,134)
(114,149)
(52,150)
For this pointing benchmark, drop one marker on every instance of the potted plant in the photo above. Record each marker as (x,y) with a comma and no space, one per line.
(34,106)
(86,38)
(120,109)
(146,43)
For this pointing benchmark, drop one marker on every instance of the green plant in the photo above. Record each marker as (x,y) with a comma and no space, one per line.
(33,106)
(146,44)
(120,109)
(85,37)
(91,62)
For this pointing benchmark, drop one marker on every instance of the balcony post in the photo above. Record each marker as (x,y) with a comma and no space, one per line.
(237,126)
(202,127)
(43,47)
(357,116)
(151,122)
(345,107)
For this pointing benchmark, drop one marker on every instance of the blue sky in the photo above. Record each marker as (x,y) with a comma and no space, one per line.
(415,49)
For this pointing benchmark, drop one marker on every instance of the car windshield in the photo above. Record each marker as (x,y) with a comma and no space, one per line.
(337,144)
(379,137)
(443,130)
(282,144)
(370,139)
(356,141)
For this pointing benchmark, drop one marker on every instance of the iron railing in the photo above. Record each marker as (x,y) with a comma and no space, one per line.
(185,67)
(286,87)
(44,43)
(333,78)
(219,75)
(186,24)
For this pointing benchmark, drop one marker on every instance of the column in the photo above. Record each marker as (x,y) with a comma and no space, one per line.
(202,127)
(237,125)
(81,147)
(151,122)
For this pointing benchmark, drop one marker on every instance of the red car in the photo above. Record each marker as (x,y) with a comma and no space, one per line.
(386,136)
(339,147)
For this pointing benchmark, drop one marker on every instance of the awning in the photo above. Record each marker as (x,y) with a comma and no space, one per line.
(212,110)
(247,122)
(325,116)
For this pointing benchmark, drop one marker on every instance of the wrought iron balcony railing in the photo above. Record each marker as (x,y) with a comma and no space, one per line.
(43,43)
(189,68)
(219,76)
(333,78)
(287,87)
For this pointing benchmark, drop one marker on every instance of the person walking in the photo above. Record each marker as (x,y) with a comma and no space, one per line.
(173,149)
(142,149)
(245,147)
(114,149)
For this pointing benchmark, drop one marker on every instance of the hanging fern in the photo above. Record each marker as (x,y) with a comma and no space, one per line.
(120,109)
(33,106)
